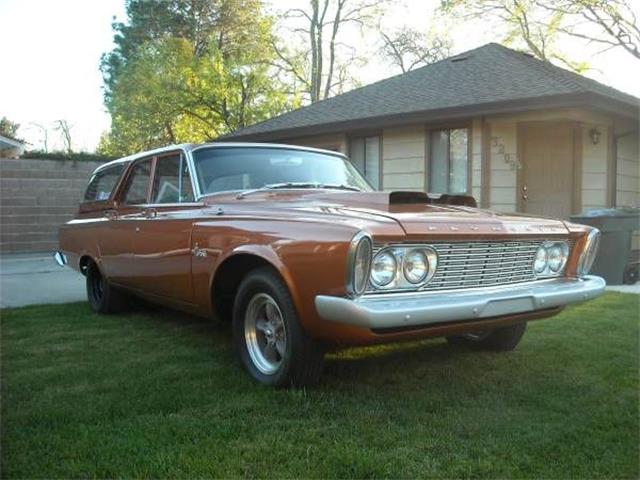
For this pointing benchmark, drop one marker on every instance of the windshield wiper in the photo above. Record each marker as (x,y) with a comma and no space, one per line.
(276,186)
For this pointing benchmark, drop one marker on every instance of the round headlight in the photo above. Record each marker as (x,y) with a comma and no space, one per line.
(557,255)
(383,270)
(415,266)
(540,262)
(359,263)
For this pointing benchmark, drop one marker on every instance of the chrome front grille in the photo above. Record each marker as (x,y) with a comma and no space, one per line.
(479,264)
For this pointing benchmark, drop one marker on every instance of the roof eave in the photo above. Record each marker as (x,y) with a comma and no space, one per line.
(11,142)
(584,99)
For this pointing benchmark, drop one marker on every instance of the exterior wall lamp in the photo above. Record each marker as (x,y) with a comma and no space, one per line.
(594,134)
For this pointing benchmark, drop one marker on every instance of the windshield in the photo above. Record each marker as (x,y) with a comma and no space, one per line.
(222,169)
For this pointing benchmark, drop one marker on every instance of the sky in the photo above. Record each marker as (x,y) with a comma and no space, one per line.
(51,56)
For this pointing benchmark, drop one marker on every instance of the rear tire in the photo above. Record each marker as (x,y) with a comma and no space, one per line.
(103,298)
(267,334)
(498,340)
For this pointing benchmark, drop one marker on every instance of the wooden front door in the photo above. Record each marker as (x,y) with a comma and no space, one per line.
(546,178)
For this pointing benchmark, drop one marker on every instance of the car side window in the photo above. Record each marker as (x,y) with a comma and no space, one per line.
(172,183)
(138,184)
(102,183)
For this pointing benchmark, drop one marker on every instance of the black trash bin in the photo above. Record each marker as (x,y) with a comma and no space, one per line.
(616,226)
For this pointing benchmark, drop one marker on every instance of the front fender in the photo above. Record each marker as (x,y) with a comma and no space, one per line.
(309,259)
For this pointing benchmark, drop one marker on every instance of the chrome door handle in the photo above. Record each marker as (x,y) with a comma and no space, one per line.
(111,214)
(151,213)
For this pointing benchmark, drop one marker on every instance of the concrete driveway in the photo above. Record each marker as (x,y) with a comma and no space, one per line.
(33,279)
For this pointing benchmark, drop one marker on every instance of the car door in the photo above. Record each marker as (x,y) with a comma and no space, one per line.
(162,242)
(116,239)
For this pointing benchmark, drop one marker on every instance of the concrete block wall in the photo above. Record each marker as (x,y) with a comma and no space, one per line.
(36,197)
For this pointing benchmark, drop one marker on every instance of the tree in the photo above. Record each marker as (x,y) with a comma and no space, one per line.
(540,25)
(613,22)
(408,48)
(321,65)
(524,25)
(8,128)
(169,95)
(229,24)
(64,127)
(189,71)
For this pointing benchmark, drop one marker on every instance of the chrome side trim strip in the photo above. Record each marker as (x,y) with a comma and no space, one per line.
(392,311)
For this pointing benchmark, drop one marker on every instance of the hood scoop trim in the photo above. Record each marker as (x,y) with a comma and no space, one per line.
(422,198)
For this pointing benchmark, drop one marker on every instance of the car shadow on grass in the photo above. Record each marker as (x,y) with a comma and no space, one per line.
(387,363)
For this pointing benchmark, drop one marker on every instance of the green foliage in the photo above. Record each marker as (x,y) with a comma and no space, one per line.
(184,75)
(9,128)
(74,156)
(155,394)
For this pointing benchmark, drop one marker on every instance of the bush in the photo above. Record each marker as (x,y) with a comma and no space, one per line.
(75,156)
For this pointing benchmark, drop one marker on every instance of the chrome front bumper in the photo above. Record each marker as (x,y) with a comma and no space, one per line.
(425,308)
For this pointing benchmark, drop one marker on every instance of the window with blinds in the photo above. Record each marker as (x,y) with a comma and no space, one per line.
(365,155)
(448,161)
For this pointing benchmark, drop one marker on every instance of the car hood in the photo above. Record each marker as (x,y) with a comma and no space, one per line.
(415,219)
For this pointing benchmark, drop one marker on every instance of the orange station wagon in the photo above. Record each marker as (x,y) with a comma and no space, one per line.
(297,250)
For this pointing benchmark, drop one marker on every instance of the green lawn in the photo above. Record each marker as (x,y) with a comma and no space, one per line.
(158,394)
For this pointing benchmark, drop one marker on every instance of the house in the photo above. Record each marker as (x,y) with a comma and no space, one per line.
(517,133)
(10,147)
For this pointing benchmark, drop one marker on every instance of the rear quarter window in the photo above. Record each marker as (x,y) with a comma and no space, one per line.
(102,183)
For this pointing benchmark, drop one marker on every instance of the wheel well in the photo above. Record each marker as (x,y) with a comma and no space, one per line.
(85,260)
(227,280)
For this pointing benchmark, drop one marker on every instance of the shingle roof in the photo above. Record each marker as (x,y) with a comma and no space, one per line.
(486,75)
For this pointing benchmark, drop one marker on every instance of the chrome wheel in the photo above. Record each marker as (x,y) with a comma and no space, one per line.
(265,333)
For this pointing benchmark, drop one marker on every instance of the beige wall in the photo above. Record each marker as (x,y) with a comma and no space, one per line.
(594,166)
(330,142)
(503,160)
(628,171)
(403,158)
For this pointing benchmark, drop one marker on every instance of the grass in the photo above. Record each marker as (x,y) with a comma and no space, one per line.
(157,394)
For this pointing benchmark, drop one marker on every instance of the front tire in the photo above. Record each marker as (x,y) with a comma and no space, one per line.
(103,298)
(498,340)
(268,336)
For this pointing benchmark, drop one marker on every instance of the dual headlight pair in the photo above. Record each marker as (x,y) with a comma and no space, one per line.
(394,267)
(550,259)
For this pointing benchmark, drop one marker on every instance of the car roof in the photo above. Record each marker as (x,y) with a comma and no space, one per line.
(190,147)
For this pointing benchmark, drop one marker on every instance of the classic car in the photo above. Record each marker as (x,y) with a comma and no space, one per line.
(296,249)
